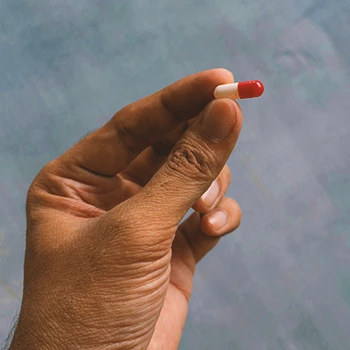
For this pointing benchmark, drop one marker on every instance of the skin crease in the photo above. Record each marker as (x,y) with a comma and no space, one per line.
(107,265)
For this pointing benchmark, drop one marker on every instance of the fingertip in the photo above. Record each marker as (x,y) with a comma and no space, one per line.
(225,72)
(223,105)
(207,227)
(237,106)
(228,107)
(234,215)
(236,208)
(211,78)
(237,111)
(187,97)
(219,76)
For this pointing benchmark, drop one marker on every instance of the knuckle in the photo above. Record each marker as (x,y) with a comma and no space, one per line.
(192,161)
(39,180)
(228,172)
(44,182)
(127,134)
(238,213)
(234,210)
(235,206)
(225,176)
(127,131)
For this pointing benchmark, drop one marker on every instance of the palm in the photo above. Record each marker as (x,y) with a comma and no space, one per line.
(173,315)
(107,193)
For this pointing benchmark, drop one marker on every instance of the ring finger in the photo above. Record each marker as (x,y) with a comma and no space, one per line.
(202,234)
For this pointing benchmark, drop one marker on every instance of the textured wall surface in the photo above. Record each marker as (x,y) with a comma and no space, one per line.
(282,281)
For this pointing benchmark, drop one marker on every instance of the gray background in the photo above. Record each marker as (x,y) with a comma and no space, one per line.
(282,281)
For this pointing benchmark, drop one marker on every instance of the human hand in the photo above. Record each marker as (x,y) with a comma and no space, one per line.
(108,264)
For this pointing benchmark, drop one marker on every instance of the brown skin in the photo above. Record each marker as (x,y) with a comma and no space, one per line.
(107,264)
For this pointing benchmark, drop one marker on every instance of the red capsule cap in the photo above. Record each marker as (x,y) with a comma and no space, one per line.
(250,89)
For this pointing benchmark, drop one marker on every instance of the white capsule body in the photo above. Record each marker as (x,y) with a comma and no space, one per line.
(227,91)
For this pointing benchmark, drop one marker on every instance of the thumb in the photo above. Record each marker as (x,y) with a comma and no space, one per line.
(193,164)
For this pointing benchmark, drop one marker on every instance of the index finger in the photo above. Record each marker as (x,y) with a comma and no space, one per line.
(110,149)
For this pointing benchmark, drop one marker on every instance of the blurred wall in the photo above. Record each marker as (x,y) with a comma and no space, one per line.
(282,280)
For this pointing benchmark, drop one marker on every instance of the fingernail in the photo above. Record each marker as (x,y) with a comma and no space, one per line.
(218,119)
(218,219)
(212,193)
